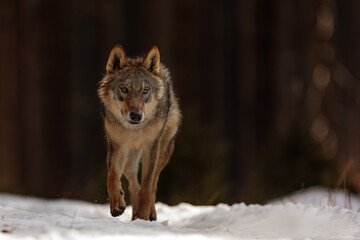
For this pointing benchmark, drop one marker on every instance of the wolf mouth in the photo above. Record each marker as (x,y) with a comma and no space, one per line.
(130,121)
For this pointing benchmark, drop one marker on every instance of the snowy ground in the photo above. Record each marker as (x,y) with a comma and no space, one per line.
(311,214)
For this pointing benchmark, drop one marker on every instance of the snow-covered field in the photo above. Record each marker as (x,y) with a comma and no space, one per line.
(311,214)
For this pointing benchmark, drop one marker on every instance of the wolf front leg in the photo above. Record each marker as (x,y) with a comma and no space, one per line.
(131,174)
(166,150)
(116,161)
(149,163)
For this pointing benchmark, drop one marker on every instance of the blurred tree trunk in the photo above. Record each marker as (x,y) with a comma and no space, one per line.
(10,106)
(34,73)
(29,69)
(346,77)
(241,72)
(21,133)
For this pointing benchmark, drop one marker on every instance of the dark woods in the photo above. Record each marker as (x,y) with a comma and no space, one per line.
(269,92)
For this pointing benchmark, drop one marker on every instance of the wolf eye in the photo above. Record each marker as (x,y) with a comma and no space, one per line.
(124,89)
(146,90)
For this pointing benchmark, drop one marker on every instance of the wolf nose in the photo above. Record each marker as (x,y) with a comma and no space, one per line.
(136,116)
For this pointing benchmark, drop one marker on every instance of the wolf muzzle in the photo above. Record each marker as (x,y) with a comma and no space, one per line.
(135,117)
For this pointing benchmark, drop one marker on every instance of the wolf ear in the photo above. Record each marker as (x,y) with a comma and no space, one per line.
(152,60)
(117,59)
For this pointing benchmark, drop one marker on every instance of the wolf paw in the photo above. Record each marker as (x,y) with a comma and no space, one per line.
(152,217)
(118,211)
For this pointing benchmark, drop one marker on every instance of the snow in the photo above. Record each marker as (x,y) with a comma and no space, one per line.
(314,213)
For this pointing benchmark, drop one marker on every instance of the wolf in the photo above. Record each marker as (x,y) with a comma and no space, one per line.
(141,119)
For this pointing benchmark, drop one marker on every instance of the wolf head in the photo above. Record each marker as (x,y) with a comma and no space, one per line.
(131,88)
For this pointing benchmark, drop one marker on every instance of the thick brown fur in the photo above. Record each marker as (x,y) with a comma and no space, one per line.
(141,119)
